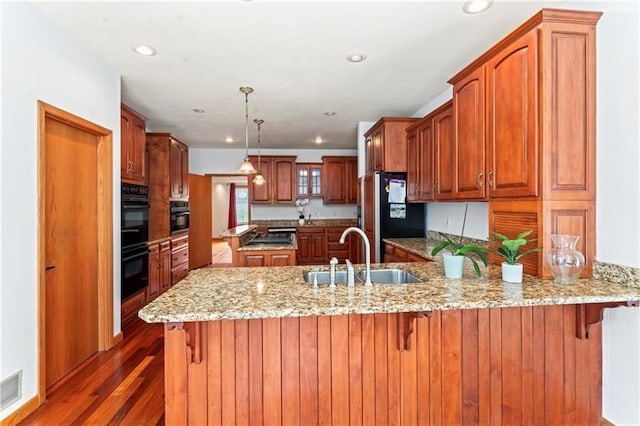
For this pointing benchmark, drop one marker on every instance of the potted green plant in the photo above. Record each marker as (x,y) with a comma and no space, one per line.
(509,250)
(454,259)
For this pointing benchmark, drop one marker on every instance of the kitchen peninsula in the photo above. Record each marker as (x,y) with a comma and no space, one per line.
(261,346)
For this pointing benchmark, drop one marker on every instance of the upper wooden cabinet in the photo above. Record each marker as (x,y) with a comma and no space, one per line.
(430,155)
(443,152)
(133,167)
(309,180)
(179,171)
(280,180)
(532,96)
(341,180)
(168,178)
(468,128)
(386,147)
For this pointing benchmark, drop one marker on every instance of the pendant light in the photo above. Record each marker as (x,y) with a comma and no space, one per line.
(258,179)
(246,168)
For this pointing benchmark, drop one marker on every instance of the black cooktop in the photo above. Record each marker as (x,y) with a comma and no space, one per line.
(272,238)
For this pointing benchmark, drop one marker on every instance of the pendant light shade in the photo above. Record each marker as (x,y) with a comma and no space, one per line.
(246,167)
(258,179)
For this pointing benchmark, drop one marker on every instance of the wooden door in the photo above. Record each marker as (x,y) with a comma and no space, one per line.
(425,161)
(335,190)
(71,248)
(443,154)
(468,125)
(200,231)
(352,180)
(284,172)
(512,145)
(137,150)
(412,165)
(261,194)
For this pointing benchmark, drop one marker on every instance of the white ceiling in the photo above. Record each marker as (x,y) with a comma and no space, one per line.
(291,53)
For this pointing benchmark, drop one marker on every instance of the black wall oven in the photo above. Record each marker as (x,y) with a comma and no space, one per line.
(134,238)
(179,216)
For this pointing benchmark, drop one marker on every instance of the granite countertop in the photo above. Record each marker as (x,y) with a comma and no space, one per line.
(243,293)
(238,231)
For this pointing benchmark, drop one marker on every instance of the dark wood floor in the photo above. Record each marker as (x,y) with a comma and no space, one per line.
(122,386)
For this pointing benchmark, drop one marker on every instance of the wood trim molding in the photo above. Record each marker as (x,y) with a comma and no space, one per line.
(544,15)
(117,338)
(589,314)
(21,412)
(104,136)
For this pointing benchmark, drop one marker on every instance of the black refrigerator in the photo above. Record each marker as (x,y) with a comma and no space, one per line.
(395,218)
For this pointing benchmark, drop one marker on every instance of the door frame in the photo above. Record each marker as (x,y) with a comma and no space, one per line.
(104,232)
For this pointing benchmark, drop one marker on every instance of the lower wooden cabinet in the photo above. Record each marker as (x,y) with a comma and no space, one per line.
(268,258)
(179,257)
(132,305)
(318,244)
(159,269)
(396,254)
(311,246)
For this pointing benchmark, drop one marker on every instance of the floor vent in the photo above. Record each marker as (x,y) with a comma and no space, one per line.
(10,389)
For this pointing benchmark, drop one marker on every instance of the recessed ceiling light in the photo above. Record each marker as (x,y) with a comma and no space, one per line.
(356,57)
(229,139)
(198,110)
(318,140)
(330,113)
(145,50)
(476,6)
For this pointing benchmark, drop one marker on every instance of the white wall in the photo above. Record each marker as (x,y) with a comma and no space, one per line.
(449,218)
(363,127)
(40,62)
(202,161)
(618,200)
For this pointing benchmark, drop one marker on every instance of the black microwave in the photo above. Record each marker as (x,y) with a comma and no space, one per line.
(179,211)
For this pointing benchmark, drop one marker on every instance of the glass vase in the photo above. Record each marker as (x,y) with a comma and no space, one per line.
(566,263)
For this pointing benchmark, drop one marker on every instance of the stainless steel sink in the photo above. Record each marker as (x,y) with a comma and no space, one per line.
(324,277)
(391,276)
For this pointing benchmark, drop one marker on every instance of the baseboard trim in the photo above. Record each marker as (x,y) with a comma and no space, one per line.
(21,413)
(116,339)
(605,422)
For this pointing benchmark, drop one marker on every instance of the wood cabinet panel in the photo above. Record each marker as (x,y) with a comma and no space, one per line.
(179,170)
(133,167)
(200,225)
(261,194)
(309,180)
(469,144)
(280,181)
(132,305)
(413,164)
(512,144)
(443,148)
(369,206)
(512,365)
(335,190)
(153,289)
(386,145)
(179,257)
(353,183)
(425,164)
(255,258)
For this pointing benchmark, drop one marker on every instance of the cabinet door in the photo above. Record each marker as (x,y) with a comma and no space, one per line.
(254,260)
(175,169)
(261,194)
(378,149)
(468,124)
(309,180)
(369,154)
(400,255)
(335,190)
(443,154)
(512,166)
(138,151)
(412,166)
(165,269)
(415,258)
(125,144)
(425,163)
(184,171)
(304,248)
(153,288)
(352,180)
(284,171)
(355,248)
(280,259)
(318,248)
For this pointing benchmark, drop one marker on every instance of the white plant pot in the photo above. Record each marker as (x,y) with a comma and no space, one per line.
(300,222)
(512,273)
(453,265)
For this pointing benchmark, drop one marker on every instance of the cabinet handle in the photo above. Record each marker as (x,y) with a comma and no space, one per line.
(479,183)
(490,178)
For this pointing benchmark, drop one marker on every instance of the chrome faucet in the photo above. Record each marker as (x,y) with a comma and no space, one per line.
(332,271)
(367,250)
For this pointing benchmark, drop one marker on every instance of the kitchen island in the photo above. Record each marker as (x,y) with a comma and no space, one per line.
(247,251)
(261,346)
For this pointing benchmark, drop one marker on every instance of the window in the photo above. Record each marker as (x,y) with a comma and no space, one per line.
(242,205)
